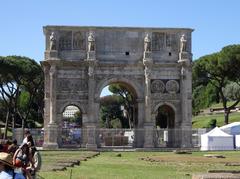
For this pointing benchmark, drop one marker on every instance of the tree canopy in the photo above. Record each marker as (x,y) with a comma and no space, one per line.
(219,70)
(21,89)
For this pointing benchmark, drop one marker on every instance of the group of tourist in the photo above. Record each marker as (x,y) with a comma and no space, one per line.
(18,162)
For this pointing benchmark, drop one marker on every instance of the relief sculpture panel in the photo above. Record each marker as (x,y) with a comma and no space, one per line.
(164,86)
(158,39)
(172,86)
(79,41)
(157,86)
(72,85)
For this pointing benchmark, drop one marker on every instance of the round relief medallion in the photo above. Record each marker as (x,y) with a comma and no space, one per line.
(172,86)
(157,86)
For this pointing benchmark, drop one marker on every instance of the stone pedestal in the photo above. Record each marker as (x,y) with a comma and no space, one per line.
(186,137)
(183,56)
(91,55)
(51,54)
(148,135)
(147,55)
(91,137)
(51,137)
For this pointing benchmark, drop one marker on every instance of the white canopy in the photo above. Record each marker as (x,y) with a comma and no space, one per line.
(216,139)
(233,128)
(237,141)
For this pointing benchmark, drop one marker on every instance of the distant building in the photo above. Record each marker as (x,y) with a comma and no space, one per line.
(70,111)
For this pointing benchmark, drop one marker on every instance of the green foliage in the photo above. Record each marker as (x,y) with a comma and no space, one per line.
(232,91)
(24,99)
(110,112)
(115,123)
(219,70)
(212,123)
(21,88)
(126,98)
(78,118)
(203,97)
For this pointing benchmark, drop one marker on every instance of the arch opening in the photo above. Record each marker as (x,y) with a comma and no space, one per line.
(165,120)
(118,107)
(118,114)
(71,126)
(165,117)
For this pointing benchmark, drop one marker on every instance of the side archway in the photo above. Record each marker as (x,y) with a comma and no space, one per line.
(165,122)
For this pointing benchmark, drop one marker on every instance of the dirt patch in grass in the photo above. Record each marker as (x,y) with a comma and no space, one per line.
(60,160)
(189,158)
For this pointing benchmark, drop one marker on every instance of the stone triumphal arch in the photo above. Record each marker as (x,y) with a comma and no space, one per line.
(154,63)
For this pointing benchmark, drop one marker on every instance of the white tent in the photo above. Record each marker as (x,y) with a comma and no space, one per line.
(237,141)
(216,139)
(233,128)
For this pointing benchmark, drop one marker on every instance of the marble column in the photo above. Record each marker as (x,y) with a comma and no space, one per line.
(51,132)
(186,99)
(139,131)
(92,124)
(148,124)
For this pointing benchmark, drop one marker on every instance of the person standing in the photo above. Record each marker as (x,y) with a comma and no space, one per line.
(6,166)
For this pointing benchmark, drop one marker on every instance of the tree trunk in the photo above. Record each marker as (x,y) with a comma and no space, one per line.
(226,115)
(6,126)
(13,122)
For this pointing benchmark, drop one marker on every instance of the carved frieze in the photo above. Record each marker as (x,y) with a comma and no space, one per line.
(65,40)
(157,86)
(71,74)
(161,40)
(72,97)
(72,40)
(158,39)
(72,85)
(79,41)
(165,96)
(172,86)
(164,86)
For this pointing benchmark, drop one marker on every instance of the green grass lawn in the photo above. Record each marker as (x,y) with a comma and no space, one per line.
(201,121)
(108,165)
(220,105)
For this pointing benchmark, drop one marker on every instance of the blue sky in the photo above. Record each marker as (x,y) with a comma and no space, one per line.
(216,22)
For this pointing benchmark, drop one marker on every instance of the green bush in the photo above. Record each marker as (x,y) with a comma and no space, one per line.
(212,124)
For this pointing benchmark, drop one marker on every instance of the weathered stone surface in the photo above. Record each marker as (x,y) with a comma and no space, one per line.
(81,61)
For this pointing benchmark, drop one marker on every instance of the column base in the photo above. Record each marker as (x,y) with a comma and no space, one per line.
(148,136)
(91,55)
(51,136)
(91,146)
(186,138)
(51,54)
(50,145)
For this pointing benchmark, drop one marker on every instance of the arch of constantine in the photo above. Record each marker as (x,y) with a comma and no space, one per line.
(153,63)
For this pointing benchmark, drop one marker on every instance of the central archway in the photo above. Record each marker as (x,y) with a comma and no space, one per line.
(117,127)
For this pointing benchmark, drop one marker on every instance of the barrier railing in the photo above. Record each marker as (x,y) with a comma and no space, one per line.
(130,138)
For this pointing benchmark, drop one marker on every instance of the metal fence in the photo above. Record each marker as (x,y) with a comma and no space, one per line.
(77,137)
(126,138)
